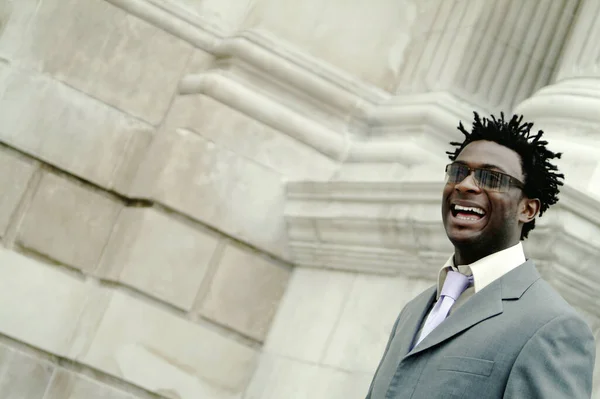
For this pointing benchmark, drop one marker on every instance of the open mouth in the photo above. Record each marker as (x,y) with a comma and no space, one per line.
(467,213)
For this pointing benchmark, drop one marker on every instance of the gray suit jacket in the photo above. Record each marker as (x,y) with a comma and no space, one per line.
(517,338)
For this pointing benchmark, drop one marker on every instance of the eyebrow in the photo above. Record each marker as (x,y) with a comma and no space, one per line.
(484,166)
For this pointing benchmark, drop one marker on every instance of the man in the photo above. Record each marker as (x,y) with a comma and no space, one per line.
(491,328)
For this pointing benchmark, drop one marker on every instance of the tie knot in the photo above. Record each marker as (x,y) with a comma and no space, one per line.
(455,284)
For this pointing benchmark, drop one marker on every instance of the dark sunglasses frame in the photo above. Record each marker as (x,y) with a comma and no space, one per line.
(513,182)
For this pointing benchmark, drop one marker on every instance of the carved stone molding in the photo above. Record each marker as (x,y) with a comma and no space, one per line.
(491,54)
(334,113)
(310,100)
(395,228)
(567,111)
(327,108)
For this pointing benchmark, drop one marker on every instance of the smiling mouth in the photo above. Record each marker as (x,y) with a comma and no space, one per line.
(467,213)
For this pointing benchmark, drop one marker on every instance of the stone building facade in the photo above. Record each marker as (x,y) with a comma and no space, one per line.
(220,199)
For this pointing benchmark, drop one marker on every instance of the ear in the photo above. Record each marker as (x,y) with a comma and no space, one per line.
(529,209)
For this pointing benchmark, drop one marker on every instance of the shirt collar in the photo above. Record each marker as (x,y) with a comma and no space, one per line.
(487,269)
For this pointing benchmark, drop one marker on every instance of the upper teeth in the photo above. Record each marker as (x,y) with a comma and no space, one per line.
(469,208)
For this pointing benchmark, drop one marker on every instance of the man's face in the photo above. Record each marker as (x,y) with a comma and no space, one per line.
(498,227)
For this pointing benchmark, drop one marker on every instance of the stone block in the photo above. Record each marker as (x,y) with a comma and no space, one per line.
(15,172)
(158,254)
(161,352)
(68,385)
(278,377)
(68,129)
(98,49)
(216,186)
(68,222)
(359,339)
(250,138)
(36,295)
(25,376)
(308,314)
(245,292)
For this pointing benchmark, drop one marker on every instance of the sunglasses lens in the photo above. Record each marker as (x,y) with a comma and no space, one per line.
(455,173)
(486,179)
(491,180)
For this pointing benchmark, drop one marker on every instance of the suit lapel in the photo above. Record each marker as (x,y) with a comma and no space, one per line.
(410,322)
(481,306)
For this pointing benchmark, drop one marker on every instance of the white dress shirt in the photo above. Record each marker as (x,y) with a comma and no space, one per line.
(484,272)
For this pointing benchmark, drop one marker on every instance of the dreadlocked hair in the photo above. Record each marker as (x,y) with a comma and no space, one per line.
(542,179)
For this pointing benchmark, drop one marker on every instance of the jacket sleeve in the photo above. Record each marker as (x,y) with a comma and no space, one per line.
(557,362)
(392,334)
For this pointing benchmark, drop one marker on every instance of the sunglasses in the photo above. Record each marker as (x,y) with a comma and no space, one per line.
(484,178)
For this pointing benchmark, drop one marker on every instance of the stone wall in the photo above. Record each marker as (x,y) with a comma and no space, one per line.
(130,264)
(220,198)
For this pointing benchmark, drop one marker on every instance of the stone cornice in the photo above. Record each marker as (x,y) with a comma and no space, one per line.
(395,228)
(310,100)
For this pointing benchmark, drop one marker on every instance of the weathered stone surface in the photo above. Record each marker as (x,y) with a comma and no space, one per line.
(25,377)
(360,337)
(245,292)
(360,171)
(161,352)
(68,129)
(216,186)
(200,61)
(158,254)
(46,297)
(15,172)
(383,29)
(225,15)
(5,355)
(596,389)
(100,50)
(68,385)
(250,138)
(68,222)
(308,313)
(279,377)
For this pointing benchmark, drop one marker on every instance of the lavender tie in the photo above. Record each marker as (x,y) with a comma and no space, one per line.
(454,285)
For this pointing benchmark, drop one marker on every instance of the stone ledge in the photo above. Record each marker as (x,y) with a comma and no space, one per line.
(220,87)
(396,228)
(255,73)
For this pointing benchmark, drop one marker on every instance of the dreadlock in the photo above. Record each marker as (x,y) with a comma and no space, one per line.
(541,176)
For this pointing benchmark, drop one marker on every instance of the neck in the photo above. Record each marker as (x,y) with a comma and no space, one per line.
(467,256)
(462,258)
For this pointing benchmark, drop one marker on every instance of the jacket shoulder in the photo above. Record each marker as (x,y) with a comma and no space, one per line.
(541,303)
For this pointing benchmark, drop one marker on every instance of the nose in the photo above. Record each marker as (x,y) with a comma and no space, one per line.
(468,185)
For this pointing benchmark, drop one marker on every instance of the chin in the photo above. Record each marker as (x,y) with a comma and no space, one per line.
(463,238)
